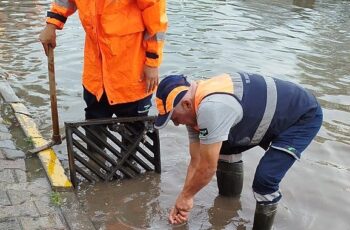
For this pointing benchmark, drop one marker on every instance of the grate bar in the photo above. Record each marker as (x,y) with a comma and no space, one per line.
(113,150)
(107,149)
(134,157)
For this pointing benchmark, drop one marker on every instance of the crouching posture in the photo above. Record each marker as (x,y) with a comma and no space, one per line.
(227,115)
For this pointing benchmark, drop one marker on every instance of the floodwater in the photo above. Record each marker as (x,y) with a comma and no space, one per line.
(307,42)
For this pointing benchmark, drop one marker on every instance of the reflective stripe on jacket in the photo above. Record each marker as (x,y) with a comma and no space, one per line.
(121,37)
(269,105)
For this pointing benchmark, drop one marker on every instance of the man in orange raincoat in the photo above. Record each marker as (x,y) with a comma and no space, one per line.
(123,51)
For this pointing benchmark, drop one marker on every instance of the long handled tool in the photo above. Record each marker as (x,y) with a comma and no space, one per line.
(56,137)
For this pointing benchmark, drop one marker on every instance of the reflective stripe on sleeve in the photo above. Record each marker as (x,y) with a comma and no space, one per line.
(152,55)
(56,16)
(66,4)
(158,36)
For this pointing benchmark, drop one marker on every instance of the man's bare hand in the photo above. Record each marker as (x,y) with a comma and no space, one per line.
(151,76)
(180,212)
(47,37)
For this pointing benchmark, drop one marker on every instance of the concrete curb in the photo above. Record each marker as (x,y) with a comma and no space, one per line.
(27,205)
(48,158)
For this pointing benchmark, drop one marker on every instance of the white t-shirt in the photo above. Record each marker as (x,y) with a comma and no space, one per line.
(216,115)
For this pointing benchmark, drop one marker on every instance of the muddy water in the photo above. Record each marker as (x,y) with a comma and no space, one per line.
(307,42)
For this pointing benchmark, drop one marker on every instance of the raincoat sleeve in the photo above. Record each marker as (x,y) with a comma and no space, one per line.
(156,22)
(60,11)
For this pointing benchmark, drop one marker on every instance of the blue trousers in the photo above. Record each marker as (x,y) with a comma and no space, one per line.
(283,151)
(102,109)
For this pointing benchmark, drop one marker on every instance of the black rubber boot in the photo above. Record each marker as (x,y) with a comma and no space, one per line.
(264,216)
(230,178)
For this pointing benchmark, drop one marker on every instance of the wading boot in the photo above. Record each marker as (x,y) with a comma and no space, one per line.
(230,178)
(264,216)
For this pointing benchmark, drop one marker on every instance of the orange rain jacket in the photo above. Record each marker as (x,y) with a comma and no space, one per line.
(121,37)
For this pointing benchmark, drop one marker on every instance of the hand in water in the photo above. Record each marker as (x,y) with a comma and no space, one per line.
(180,212)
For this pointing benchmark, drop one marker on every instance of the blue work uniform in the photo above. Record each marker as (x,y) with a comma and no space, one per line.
(277,115)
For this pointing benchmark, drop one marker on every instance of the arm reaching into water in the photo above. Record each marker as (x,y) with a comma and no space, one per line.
(201,170)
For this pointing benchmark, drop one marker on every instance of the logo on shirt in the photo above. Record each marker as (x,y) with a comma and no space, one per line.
(203,132)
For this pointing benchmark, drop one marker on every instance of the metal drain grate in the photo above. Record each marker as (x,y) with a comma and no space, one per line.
(107,149)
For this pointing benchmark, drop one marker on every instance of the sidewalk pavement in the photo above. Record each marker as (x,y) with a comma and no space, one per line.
(23,204)
(28,202)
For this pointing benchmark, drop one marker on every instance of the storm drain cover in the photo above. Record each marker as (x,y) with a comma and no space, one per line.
(109,149)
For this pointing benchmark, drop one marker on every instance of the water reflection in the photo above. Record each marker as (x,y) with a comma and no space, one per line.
(18,30)
(225,212)
(130,204)
(304,3)
(301,45)
(309,44)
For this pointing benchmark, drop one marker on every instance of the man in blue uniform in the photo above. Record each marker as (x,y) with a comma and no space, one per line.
(228,114)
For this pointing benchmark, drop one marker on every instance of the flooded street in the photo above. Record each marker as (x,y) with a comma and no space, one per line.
(307,42)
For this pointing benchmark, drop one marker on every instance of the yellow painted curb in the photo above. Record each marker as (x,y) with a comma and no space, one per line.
(49,160)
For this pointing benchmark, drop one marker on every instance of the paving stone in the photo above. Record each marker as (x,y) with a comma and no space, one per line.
(10,224)
(25,209)
(39,187)
(4,199)
(5,136)
(33,187)
(13,154)
(19,197)
(6,175)
(7,92)
(46,222)
(25,202)
(44,206)
(21,176)
(3,127)
(16,186)
(12,164)
(7,144)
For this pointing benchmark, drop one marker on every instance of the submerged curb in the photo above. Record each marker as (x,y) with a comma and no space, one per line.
(51,164)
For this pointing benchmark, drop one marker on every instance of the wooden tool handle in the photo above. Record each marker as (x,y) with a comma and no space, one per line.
(54,113)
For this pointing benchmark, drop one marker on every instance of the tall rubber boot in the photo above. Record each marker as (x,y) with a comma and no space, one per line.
(264,216)
(230,178)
